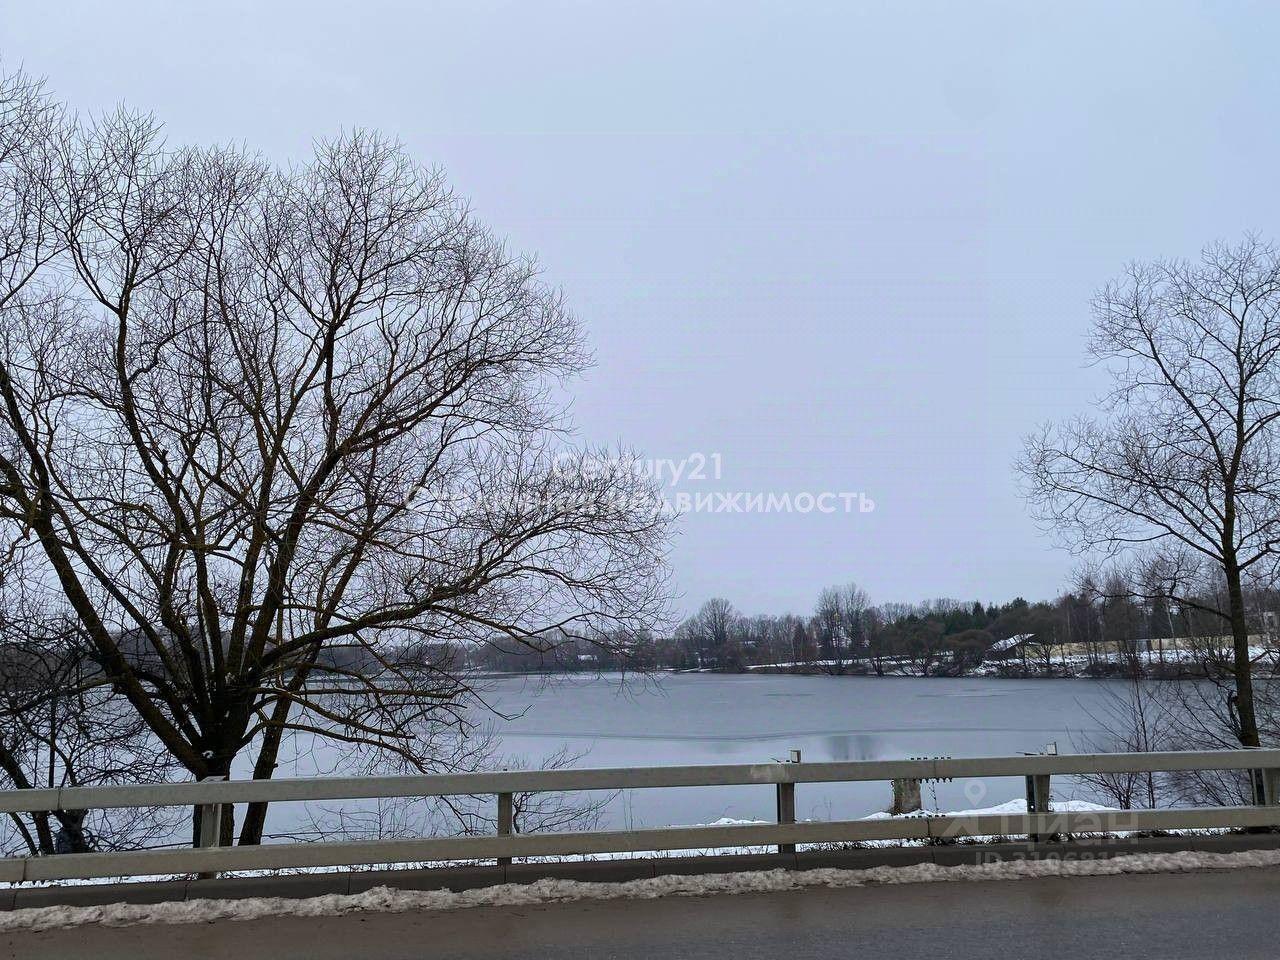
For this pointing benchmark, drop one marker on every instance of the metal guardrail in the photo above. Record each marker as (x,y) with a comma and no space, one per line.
(1040,821)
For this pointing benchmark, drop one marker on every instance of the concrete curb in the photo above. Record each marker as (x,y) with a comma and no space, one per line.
(298,886)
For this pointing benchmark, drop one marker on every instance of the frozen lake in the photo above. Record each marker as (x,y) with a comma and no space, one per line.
(751,718)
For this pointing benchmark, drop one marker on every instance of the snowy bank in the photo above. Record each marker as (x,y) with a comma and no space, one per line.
(387,900)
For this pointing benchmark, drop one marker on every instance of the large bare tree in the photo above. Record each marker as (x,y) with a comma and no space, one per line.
(274,437)
(1182,467)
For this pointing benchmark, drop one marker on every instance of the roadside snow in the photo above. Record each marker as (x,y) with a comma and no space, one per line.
(387,900)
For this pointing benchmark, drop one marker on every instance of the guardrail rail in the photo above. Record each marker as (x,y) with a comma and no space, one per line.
(1040,820)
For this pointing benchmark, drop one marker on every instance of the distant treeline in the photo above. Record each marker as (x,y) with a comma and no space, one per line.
(1099,629)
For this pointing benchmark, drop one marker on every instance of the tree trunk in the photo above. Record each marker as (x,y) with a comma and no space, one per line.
(255,820)
(44,834)
(1247,722)
(255,815)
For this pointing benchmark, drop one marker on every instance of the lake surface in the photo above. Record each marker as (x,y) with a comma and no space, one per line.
(752,718)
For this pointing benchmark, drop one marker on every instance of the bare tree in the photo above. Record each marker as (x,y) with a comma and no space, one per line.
(841,621)
(710,632)
(879,641)
(1184,465)
(274,436)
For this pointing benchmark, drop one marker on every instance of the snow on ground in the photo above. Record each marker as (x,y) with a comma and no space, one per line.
(900,666)
(387,900)
(1016,806)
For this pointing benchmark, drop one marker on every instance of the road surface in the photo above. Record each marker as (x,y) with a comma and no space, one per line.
(1164,916)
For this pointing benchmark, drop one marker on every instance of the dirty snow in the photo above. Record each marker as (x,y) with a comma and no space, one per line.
(387,900)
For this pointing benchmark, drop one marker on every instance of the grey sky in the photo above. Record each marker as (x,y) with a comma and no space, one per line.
(847,247)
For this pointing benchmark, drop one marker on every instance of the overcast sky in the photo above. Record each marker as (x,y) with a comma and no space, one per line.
(847,247)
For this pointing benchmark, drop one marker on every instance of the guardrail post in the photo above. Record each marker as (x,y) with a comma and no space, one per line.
(787,805)
(506,820)
(210,827)
(1038,800)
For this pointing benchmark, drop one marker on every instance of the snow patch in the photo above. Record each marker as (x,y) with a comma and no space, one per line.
(1015,806)
(388,900)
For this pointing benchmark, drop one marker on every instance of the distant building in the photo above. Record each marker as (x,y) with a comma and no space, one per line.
(1009,647)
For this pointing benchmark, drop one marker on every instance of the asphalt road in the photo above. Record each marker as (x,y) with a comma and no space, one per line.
(1170,917)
